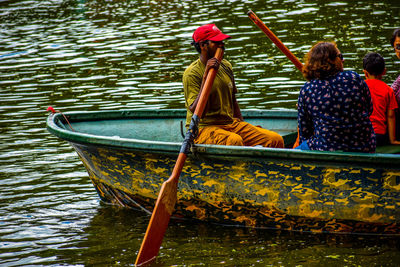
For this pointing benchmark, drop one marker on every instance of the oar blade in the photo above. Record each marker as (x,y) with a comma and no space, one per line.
(158,223)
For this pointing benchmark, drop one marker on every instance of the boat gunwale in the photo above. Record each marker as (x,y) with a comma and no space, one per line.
(209,150)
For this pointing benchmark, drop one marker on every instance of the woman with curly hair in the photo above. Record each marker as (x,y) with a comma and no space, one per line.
(334,105)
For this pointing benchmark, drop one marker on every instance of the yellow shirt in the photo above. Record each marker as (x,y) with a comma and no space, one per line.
(220,103)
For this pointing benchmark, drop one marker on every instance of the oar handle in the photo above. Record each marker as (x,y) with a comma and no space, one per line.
(275,40)
(208,85)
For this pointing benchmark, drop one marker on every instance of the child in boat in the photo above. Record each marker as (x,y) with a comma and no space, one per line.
(383,99)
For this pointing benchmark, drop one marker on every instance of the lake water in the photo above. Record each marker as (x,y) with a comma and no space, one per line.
(116,54)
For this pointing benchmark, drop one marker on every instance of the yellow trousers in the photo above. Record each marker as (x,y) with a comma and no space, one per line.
(238,133)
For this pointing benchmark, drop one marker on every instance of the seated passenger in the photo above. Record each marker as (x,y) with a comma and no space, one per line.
(395,42)
(334,105)
(222,123)
(383,99)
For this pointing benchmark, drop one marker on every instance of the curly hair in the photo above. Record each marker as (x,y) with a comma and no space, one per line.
(320,61)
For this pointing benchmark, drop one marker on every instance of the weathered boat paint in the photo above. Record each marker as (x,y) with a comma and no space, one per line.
(255,187)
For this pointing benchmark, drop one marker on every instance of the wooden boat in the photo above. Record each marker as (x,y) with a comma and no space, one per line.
(128,155)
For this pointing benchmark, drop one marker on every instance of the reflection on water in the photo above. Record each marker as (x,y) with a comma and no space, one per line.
(117,233)
(99,55)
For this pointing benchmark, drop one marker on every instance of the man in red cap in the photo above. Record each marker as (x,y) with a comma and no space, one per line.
(222,122)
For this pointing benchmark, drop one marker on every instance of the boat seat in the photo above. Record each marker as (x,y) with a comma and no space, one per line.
(390,149)
(289,138)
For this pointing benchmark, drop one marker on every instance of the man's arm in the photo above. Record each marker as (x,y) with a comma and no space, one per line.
(236,109)
(391,122)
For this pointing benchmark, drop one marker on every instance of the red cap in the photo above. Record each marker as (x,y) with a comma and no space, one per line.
(209,32)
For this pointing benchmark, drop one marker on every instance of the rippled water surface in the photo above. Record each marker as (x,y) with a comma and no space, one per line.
(116,54)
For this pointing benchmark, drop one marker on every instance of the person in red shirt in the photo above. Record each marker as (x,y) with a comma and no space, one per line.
(383,99)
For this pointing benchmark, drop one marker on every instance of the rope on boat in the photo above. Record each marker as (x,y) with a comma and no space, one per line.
(137,204)
(50,108)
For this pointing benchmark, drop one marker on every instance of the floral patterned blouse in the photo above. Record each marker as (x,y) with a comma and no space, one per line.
(396,89)
(333,114)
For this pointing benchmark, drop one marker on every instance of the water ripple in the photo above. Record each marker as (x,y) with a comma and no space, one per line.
(110,55)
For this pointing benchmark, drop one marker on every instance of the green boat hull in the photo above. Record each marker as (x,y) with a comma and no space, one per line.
(129,154)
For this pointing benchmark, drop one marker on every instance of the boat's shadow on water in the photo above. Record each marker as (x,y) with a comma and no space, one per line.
(114,235)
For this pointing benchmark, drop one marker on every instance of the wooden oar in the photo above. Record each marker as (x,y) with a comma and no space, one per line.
(275,40)
(281,46)
(168,194)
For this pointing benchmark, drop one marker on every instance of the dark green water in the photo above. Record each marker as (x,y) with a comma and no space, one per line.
(103,55)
